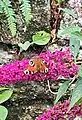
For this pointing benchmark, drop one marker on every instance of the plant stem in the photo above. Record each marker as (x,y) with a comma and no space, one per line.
(50,88)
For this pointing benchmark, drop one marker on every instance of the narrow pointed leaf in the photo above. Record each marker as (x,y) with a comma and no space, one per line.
(62,90)
(80,71)
(77,92)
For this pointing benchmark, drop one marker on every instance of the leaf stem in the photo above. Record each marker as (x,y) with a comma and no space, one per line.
(50,88)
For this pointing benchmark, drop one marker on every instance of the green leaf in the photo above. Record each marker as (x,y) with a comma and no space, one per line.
(79,101)
(74,46)
(41,38)
(24,46)
(68,11)
(1,11)
(10,16)
(20,1)
(5,95)
(26,10)
(59,1)
(80,71)
(3,88)
(7,2)
(68,31)
(1,6)
(78,35)
(3,112)
(62,90)
(77,92)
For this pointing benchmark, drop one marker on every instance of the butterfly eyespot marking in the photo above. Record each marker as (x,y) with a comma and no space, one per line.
(26,72)
(43,61)
(31,63)
(46,70)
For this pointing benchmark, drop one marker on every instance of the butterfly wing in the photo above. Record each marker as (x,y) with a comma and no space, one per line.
(36,65)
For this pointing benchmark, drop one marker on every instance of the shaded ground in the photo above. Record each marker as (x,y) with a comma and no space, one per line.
(28,100)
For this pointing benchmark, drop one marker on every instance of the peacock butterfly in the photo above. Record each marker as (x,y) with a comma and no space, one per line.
(36,65)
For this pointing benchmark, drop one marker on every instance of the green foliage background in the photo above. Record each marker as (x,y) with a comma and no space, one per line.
(7,9)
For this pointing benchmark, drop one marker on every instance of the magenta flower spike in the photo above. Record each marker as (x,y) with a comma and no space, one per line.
(59,63)
(59,112)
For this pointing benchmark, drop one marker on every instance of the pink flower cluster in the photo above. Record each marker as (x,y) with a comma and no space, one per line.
(59,112)
(58,63)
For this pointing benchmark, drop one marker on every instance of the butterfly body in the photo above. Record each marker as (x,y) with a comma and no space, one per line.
(36,65)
